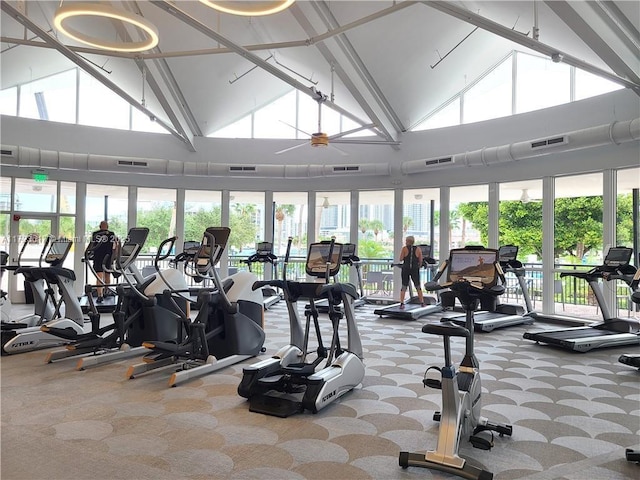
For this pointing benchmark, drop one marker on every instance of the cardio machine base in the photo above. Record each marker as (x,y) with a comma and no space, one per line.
(407,459)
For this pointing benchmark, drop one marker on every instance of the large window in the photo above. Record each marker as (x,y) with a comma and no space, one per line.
(419,211)
(201,211)
(9,101)
(246,219)
(333,218)
(490,97)
(32,196)
(469,216)
(156,211)
(375,224)
(541,83)
(110,203)
(520,219)
(50,98)
(290,215)
(578,208)
(100,107)
(628,186)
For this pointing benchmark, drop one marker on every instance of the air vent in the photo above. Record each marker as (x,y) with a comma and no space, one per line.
(438,161)
(347,168)
(240,168)
(549,142)
(132,163)
(6,153)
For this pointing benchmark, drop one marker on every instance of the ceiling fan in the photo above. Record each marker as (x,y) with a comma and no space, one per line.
(525,198)
(321,139)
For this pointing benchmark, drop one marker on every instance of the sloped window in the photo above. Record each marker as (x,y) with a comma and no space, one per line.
(589,85)
(9,101)
(276,120)
(445,117)
(541,83)
(50,98)
(100,107)
(490,97)
(238,129)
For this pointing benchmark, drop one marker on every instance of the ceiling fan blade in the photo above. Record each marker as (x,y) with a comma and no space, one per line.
(340,151)
(365,141)
(295,128)
(349,132)
(291,148)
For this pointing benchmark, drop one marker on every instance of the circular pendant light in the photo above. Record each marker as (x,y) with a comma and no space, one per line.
(75,10)
(249,8)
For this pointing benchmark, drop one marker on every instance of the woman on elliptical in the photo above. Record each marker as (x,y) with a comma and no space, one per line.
(411,260)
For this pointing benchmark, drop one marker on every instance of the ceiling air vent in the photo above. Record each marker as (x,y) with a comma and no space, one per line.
(438,161)
(240,168)
(346,168)
(550,142)
(132,163)
(5,152)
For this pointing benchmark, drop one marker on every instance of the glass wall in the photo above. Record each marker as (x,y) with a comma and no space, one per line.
(156,210)
(32,196)
(628,187)
(110,202)
(420,208)
(469,216)
(246,219)
(201,211)
(290,215)
(375,224)
(333,218)
(50,98)
(578,245)
(9,101)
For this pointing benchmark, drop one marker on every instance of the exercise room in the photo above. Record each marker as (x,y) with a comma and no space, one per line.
(299,239)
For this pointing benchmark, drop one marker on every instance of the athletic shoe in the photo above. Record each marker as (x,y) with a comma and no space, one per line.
(100,300)
(422,304)
(402,306)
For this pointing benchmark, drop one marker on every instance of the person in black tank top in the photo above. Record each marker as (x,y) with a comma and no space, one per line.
(102,244)
(411,259)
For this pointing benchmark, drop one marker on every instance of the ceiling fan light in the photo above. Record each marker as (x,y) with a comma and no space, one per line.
(249,8)
(525,198)
(80,9)
(326,203)
(319,140)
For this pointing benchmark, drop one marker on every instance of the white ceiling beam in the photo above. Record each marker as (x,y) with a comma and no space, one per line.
(352,71)
(584,28)
(183,16)
(516,37)
(87,67)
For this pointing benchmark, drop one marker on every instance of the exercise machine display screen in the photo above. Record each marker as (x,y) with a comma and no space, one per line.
(618,256)
(190,248)
(264,248)
(508,253)
(348,250)
(473,265)
(426,250)
(319,255)
(58,251)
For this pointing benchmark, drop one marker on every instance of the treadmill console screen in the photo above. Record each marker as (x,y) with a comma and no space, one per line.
(618,256)
(264,248)
(507,253)
(348,250)
(426,250)
(473,265)
(190,248)
(318,256)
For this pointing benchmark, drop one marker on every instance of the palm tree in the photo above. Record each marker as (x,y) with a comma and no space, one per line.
(377,226)
(407,222)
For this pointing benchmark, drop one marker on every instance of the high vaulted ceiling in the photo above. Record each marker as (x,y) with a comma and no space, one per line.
(379,62)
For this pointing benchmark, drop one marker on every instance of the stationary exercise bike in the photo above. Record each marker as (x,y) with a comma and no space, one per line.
(472,274)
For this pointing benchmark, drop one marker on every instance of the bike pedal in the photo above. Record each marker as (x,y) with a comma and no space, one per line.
(481,443)
(437,416)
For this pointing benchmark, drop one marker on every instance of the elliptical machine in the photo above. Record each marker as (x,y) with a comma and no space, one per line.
(472,272)
(226,330)
(33,338)
(291,381)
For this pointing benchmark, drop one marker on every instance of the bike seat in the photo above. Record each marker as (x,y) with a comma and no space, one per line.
(446,330)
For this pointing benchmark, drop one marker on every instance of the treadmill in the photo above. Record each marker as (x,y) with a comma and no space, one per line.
(499,315)
(612,331)
(264,254)
(412,309)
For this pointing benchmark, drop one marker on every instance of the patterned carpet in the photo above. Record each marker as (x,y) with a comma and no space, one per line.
(572,414)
